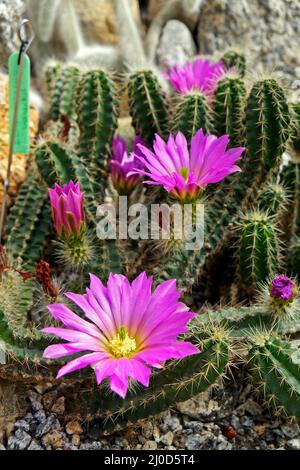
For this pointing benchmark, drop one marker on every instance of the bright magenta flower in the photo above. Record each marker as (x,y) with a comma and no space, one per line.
(129,329)
(185,173)
(200,75)
(67,209)
(122,164)
(283,288)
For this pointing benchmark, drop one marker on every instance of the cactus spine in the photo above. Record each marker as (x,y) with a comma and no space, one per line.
(230,98)
(267,123)
(97,119)
(192,112)
(148,106)
(259,248)
(235,59)
(274,365)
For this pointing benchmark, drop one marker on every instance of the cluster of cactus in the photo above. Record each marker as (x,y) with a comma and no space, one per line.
(245,231)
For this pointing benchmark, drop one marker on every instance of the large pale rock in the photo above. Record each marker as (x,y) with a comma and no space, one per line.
(266,30)
(10,14)
(176,44)
(98,19)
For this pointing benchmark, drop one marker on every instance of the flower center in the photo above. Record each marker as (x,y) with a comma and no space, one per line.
(122,345)
(185,173)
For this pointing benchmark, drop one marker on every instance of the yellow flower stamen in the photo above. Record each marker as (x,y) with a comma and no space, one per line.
(185,173)
(122,345)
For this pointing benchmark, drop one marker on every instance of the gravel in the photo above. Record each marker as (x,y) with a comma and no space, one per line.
(225,418)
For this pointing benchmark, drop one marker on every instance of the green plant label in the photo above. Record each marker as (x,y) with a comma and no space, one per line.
(22,142)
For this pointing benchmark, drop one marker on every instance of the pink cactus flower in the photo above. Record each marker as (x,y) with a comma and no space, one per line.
(283,288)
(185,172)
(200,75)
(126,330)
(67,209)
(122,164)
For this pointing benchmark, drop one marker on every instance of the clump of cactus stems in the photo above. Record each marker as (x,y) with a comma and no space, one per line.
(244,214)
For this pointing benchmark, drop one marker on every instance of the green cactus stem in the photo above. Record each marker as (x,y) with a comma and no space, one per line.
(54,163)
(259,254)
(229,108)
(235,59)
(192,113)
(274,366)
(97,119)
(148,105)
(267,124)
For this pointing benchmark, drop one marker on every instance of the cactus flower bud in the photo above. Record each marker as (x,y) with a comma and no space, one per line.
(67,209)
(122,164)
(283,291)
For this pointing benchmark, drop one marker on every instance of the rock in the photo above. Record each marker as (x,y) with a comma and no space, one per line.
(22,424)
(98,20)
(74,427)
(150,445)
(91,446)
(170,422)
(265,30)
(290,431)
(75,440)
(35,445)
(10,15)
(59,406)
(2,447)
(55,439)
(167,439)
(200,406)
(35,401)
(20,441)
(50,424)
(294,444)
(49,399)
(147,430)
(176,43)
(194,442)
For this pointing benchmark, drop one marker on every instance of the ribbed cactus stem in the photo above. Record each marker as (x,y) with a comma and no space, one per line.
(24,216)
(229,108)
(148,106)
(295,130)
(274,365)
(273,198)
(54,163)
(97,120)
(258,248)
(235,59)
(192,113)
(63,94)
(268,125)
